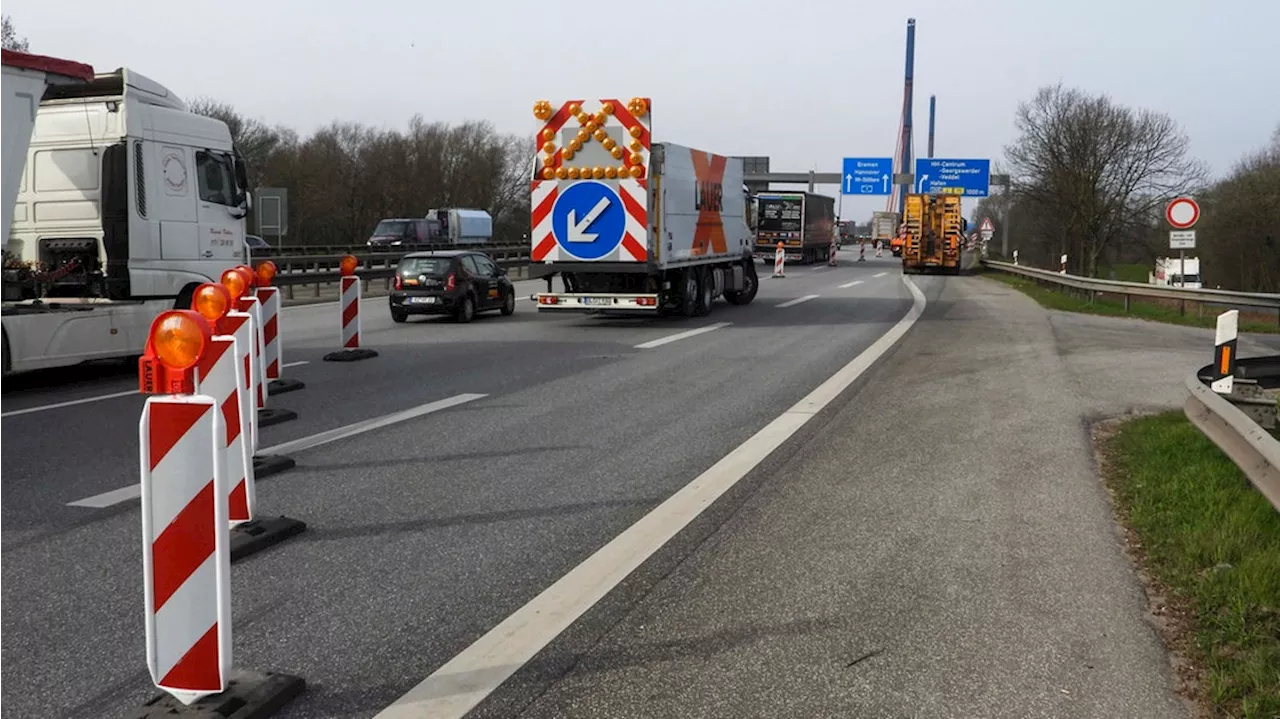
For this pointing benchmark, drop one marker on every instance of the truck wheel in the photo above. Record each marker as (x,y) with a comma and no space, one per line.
(750,285)
(706,291)
(689,297)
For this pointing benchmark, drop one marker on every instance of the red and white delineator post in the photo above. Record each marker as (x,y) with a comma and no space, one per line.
(779,261)
(879,248)
(269,300)
(831,253)
(862,251)
(186,557)
(1062,267)
(350,312)
(249,304)
(221,375)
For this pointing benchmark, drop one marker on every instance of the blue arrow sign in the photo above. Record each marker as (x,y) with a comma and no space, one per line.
(867,176)
(939,176)
(588,220)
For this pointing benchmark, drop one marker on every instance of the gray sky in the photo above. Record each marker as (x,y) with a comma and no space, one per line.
(806,82)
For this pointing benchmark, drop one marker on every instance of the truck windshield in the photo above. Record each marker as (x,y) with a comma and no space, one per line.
(779,214)
(391,227)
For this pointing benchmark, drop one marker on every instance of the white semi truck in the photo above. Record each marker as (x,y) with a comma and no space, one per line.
(122,202)
(635,226)
(1176,272)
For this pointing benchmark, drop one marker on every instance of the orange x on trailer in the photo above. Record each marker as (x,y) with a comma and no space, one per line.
(631,225)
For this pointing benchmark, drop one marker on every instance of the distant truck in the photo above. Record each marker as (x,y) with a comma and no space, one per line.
(934,233)
(1171,272)
(463,227)
(439,227)
(884,227)
(633,226)
(802,221)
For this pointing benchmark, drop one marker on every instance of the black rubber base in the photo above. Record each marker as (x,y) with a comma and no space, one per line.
(249,695)
(280,386)
(268,416)
(267,465)
(350,355)
(253,537)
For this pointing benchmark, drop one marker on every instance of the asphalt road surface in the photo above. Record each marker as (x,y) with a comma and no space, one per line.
(940,515)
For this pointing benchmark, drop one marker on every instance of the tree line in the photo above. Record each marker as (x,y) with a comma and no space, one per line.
(345,177)
(1090,179)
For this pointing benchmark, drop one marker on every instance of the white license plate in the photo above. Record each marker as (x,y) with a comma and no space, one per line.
(422,300)
(597,300)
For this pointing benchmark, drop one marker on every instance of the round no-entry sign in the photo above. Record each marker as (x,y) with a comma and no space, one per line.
(1182,213)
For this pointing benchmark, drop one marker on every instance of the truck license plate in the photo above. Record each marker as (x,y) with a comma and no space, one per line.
(597,301)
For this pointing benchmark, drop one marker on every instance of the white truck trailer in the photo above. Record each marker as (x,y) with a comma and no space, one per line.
(1171,272)
(631,225)
(125,202)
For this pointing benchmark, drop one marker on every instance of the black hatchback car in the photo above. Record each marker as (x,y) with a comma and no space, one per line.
(450,282)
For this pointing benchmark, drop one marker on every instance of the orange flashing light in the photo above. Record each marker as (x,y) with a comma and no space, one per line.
(174,345)
(212,302)
(266,273)
(349,262)
(235,282)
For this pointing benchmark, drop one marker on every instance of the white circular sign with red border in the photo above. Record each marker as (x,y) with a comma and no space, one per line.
(1182,213)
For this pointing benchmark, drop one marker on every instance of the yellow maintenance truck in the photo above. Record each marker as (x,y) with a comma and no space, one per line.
(934,232)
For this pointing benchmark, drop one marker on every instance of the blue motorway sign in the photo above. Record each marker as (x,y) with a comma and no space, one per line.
(867,176)
(940,176)
(588,220)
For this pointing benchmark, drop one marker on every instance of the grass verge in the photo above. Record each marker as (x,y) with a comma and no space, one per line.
(1114,306)
(1209,547)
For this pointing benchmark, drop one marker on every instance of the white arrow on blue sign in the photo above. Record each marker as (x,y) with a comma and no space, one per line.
(867,176)
(940,176)
(588,220)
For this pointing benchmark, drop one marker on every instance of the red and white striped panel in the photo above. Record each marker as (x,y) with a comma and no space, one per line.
(221,376)
(350,312)
(254,308)
(186,557)
(575,115)
(269,298)
(240,326)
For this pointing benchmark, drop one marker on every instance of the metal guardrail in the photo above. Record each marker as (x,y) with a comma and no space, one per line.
(322,269)
(1246,443)
(1229,298)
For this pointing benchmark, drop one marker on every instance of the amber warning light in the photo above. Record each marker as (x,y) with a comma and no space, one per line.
(174,345)
(212,302)
(348,265)
(266,273)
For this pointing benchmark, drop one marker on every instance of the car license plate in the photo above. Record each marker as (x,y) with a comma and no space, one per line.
(597,300)
(422,300)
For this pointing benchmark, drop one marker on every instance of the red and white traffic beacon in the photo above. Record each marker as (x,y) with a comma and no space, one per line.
(186,533)
(240,281)
(272,342)
(349,309)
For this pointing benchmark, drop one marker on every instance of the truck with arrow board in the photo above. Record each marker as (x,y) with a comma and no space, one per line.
(632,226)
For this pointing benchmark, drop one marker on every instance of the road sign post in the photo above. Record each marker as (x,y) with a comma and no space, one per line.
(1182,214)
(867,176)
(943,176)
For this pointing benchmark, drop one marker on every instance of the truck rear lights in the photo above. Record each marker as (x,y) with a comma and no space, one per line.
(647,301)
(548,300)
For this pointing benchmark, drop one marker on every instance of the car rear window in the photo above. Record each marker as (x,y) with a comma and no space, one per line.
(434,266)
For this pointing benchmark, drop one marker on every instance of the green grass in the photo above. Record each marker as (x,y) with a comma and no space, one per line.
(1214,542)
(1127,273)
(1058,300)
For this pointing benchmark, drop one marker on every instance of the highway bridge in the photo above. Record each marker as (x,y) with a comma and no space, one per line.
(862,495)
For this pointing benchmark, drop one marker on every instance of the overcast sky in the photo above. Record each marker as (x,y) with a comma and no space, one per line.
(806,82)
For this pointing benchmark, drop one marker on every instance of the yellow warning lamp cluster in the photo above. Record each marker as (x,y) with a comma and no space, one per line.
(591,127)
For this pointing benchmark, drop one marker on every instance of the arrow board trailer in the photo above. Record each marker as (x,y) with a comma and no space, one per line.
(127,203)
(633,226)
(802,221)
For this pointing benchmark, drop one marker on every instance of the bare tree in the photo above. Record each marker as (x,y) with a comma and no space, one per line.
(1239,229)
(1091,173)
(9,36)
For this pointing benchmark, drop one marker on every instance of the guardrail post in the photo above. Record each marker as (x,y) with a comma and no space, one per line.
(1224,352)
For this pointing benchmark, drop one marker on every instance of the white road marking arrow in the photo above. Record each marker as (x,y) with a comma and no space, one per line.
(578,230)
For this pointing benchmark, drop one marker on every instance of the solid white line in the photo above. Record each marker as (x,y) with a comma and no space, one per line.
(98,398)
(879,274)
(850,284)
(69,403)
(798,300)
(299,363)
(464,681)
(680,336)
(123,494)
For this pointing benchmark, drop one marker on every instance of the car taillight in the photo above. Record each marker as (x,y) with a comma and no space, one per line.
(399,283)
(449,283)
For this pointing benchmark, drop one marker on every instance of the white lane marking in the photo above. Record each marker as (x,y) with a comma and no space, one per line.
(68,403)
(123,494)
(680,336)
(850,284)
(879,274)
(798,300)
(97,398)
(465,680)
(299,363)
